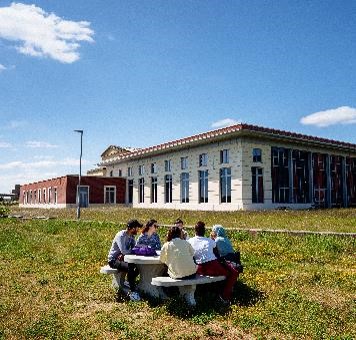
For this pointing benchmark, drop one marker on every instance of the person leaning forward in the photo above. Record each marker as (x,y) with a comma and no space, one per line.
(122,244)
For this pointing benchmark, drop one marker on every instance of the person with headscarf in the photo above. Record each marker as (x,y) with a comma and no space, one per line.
(225,248)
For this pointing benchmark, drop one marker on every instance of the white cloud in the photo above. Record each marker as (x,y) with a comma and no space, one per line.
(42,34)
(2,68)
(4,145)
(38,144)
(21,172)
(341,115)
(224,122)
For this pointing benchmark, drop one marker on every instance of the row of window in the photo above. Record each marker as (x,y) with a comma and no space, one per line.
(40,196)
(306,177)
(184,163)
(203,187)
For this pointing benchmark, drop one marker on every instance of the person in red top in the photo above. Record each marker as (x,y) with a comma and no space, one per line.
(206,256)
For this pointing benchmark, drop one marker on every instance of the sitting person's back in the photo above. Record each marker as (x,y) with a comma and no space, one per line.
(177,254)
(222,242)
(225,247)
(205,255)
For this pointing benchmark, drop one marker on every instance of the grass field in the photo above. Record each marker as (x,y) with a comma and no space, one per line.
(292,288)
(337,220)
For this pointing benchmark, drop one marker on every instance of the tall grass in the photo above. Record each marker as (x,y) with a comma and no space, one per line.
(292,288)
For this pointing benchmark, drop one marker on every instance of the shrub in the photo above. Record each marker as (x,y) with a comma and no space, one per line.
(4,210)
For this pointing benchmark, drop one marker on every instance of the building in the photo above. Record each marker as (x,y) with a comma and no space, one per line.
(61,192)
(237,167)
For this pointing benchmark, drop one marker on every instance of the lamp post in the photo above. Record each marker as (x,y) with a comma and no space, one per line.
(80,172)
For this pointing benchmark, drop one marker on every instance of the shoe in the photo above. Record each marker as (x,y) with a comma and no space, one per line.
(126,284)
(134,296)
(223,301)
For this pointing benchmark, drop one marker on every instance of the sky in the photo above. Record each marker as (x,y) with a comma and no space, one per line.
(140,73)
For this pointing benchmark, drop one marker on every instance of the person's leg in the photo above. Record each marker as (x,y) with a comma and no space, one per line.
(231,277)
(132,273)
(214,268)
(121,266)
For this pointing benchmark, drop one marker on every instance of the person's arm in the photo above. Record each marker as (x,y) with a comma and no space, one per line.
(122,242)
(163,255)
(158,243)
(216,252)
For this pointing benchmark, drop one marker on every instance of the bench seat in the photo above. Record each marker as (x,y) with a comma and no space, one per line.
(186,287)
(118,278)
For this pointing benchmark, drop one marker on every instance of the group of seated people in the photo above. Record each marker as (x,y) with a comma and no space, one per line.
(185,257)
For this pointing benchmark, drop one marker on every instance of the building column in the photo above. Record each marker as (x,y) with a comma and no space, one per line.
(290,167)
(344,182)
(311,177)
(328,182)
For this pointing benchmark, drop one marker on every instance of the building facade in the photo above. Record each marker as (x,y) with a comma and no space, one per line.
(238,167)
(61,192)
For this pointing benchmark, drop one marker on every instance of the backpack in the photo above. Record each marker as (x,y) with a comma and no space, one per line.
(143,250)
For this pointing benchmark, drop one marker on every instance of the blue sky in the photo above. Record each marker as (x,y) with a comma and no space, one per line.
(139,73)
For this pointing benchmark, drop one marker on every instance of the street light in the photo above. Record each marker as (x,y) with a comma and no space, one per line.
(80,172)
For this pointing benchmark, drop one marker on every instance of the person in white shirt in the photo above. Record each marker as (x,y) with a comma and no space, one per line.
(206,257)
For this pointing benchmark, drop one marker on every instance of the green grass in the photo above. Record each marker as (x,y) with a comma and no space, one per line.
(293,288)
(337,220)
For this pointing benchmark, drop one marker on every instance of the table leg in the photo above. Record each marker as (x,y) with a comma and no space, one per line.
(147,272)
(188,293)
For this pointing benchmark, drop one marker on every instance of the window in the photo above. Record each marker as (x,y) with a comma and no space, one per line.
(203,159)
(301,188)
(168,189)
(280,175)
(257,185)
(110,194)
(129,171)
(111,173)
(35,196)
(320,179)
(44,195)
(257,155)
(55,196)
(31,196)
(154,190)
(225,185)
(141,170)
(184,163)
(39,195)
(24,197)
(224,156)
(141,190)
(184,187)
(350,165)
(153,168)
(130,184)
(120,173)
(203,186)
(49,194)
(167,165)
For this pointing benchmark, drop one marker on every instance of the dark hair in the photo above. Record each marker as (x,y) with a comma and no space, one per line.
(174,232)
(149,224)
(200,228)
(178,220)
(133,224)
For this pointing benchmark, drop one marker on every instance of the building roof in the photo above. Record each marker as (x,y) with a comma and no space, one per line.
(228,132)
